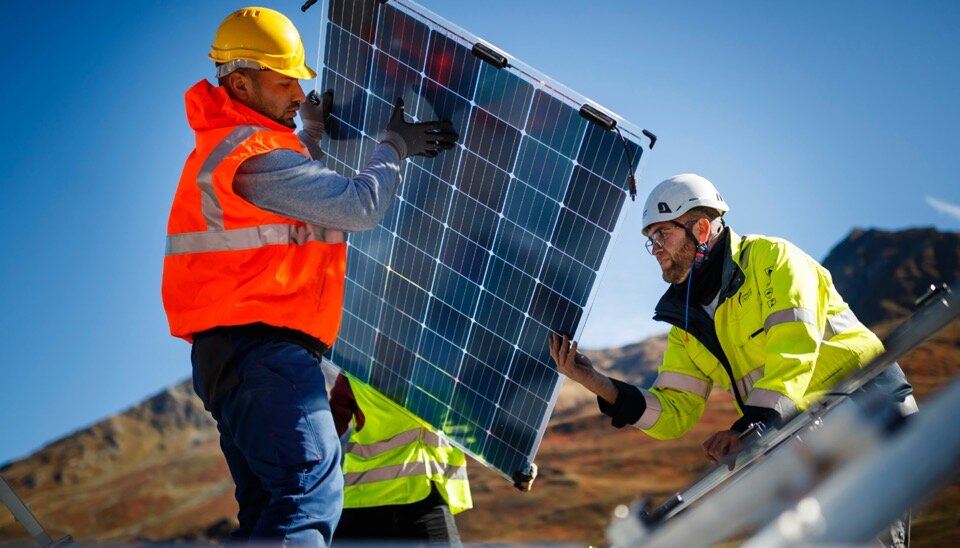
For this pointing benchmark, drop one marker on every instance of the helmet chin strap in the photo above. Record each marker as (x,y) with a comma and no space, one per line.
(699,242)
(698,259)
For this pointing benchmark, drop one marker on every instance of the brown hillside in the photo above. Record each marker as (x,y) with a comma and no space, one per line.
(880,273)
(153,472)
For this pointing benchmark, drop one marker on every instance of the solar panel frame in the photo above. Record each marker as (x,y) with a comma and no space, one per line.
(489,247)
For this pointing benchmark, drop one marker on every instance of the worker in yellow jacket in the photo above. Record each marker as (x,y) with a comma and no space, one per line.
(754,315)
(402,479)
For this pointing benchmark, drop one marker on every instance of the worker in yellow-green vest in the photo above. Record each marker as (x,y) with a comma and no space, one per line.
(752,314)
(402,479)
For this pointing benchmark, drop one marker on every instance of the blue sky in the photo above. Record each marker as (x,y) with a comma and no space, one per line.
(811,118)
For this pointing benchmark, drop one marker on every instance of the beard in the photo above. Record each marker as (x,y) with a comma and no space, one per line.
(680,263)
(277,114)
(291,123)
(258,103)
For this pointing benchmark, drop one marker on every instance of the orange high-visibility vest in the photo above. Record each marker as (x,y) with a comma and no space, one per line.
(229,262)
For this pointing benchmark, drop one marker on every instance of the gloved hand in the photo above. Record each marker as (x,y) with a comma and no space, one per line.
(314,113)
(418,139)
(523,481)
(344,406)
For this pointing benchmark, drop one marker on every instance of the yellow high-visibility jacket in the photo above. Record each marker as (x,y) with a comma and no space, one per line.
(395,458)
(781,336)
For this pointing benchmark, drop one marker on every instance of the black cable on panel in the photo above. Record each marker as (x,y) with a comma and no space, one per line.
(603,120)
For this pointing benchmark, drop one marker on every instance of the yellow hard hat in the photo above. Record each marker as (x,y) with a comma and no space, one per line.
(259,38)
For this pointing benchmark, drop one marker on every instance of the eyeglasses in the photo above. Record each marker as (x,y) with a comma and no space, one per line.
(659,238)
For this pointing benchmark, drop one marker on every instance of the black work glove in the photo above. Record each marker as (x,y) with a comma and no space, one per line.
(314,113)
(523,481)
(418,139)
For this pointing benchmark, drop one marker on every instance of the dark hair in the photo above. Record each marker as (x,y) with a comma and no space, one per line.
(703,212)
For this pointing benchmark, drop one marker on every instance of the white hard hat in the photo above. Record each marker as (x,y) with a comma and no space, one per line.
(678,195)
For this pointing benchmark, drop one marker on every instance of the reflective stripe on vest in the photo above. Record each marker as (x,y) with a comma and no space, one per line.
(840,322)
(679,381)
(746,383)
(210,204)
(836,324)
(403,438)
(651,413)
(249,238)
(395,471)
(216,237)
(790,315)
(771,399)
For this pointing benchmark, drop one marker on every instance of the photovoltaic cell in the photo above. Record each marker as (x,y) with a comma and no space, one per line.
(490,247)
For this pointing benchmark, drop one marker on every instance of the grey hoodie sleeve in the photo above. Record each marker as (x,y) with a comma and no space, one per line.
(290,184)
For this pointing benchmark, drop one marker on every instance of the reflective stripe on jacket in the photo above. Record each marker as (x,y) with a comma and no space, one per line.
(229,262)
(781,336)
(395,458)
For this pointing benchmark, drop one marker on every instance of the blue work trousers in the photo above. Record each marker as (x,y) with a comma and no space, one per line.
(279,440)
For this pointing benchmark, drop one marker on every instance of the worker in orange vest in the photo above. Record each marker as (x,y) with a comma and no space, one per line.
(255,263)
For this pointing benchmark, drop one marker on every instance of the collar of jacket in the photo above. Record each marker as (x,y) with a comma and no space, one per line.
(671,304)
(700,325)
(211,107)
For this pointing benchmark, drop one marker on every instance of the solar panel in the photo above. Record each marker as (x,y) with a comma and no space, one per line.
(491,246)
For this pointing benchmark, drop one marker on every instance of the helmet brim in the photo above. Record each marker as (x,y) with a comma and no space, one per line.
(303,72)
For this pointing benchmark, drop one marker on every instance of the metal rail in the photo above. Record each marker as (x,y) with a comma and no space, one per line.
(856,501)
(21,512)
(780,468)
